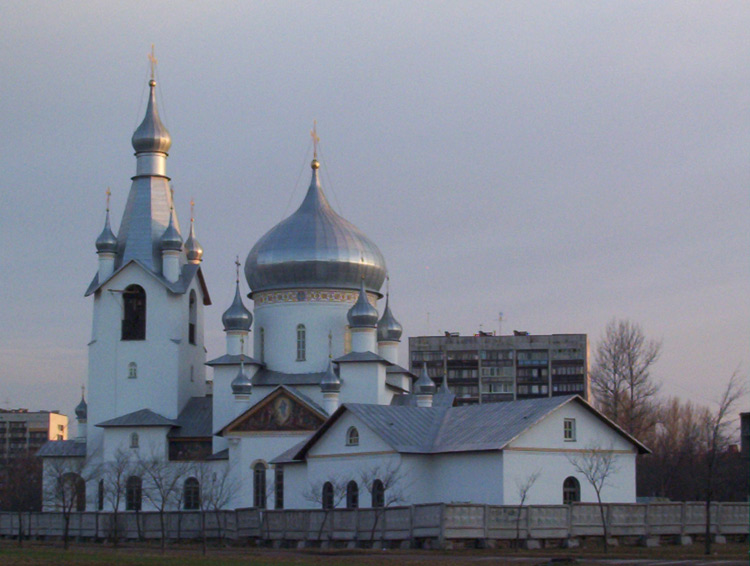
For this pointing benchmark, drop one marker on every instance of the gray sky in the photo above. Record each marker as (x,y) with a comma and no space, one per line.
(564,163)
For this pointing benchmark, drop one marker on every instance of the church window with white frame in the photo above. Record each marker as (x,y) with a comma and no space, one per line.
(352,436)
(301,343)
(569,430)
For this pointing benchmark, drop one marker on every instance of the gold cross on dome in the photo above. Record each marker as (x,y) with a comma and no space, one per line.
(152,59)
(330,344)
(192,210)
(315,138)
(109,194)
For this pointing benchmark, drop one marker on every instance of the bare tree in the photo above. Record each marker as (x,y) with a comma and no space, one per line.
(385,486)
(523,487)
(335,495)
(716,427)
(596,465)
(621,376)
(217,488)
(163,489)
(21,488)
(65,482)
(115,475)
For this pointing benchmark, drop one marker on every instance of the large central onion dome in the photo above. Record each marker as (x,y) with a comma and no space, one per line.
(314,248)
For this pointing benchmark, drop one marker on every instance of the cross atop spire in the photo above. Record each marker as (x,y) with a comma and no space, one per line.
(109,194)
(192,210)
(152,59)
(237,268)
(83,391)
(315,138)
(330,345)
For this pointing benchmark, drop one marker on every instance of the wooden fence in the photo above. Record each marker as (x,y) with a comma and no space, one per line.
(441,524)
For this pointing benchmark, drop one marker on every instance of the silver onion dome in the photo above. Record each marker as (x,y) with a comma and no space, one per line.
(362,314)
(171,239)
(389,329)
(106,242)
(237,317)
(425,385)
(314,248)
(151,135)
(82,409)
(193,248)
(330,382)
(242,385)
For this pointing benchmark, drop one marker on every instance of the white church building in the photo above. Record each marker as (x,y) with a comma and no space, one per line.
(309,409)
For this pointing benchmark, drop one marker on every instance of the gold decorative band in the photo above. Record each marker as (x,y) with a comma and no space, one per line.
(310,296)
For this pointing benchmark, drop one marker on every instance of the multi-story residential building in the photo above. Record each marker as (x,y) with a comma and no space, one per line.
(485,368)
(23,432)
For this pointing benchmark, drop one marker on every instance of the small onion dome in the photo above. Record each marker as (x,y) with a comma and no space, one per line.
(171,239)
(330,382)
(389,329)
(193,248)
(82,410)
(151,135)
(444,386)
(241,385)
(362,314)
(106,242)
(425,385)
(237,317)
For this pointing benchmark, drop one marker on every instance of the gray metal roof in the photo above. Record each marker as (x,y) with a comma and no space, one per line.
(439,399)
(313,248)
(62,449)
(361,357)
(287,457)
(179,287)
(395,368)
(220,455)
(233,360)
(270,377)
(143,417)
(443,429)
(195,420)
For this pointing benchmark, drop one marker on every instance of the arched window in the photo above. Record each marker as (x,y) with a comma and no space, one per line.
(191,495)
(100,496)
(134,440)
(73,494)
(192,317)
(259,485)
(134,313)
(133,493)
(278,486)
(132,370)
(262,345)
(378,494)
(327,495)
(352,495)
(301,342)
(571,491)
(352,436)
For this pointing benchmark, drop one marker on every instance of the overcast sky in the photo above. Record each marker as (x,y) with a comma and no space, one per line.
(564,163)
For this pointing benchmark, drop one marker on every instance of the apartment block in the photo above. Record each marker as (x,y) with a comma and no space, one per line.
(486,368)
(23,432)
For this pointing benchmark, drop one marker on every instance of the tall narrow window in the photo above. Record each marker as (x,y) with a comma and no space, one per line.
(569,430)
(134,313)
(259,485)
(133,494)
(134,440)
(352,495)
(262,344)
(100,496)
(327,495)
(278,486)
(191,495)
(352,436)
(301,342)
(192,317)
(132,370)
(378,494)
(571,491)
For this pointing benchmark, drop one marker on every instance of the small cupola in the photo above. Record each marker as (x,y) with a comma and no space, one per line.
(237,317)
(242,385)
(389,329)
(330,382)
(362,314)
(81,409)
(151,136)
(424,385)
(106,243)
(193,248)
(171,240)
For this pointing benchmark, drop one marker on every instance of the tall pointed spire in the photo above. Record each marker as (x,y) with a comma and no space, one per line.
(389,329)
(237,317)
(106,242)
(193,248)
(151,135)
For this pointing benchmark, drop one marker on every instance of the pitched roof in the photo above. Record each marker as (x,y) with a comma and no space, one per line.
(232,360)
(220,455)
(439,399)
(361,357)
(395,368)
(446,429)
(195,420)
(144,417)
(62,449)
